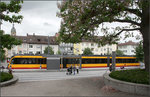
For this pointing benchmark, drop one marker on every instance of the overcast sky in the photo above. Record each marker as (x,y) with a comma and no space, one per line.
(39,18)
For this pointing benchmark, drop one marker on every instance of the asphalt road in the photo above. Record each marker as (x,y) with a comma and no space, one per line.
(86,83)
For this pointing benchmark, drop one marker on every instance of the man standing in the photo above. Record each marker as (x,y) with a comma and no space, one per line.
(77,67)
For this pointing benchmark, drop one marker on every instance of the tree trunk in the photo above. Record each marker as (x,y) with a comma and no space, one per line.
(145,29)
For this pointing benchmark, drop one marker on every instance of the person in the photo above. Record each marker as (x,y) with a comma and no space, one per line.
(77,67)
(110,67)
(74,69)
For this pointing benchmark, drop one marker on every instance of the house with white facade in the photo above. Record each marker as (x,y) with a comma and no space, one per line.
(32,44)
(128,48)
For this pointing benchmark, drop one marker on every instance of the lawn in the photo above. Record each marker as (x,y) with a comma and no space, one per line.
(5,76)
(135,76)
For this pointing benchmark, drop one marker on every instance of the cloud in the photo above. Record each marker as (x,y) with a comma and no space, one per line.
(39,18)
(46,24)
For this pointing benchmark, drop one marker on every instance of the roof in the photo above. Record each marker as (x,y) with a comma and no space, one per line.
(92,39)
(128,43)
(37,39)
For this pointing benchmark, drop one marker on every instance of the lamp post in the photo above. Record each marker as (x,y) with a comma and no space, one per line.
(48,45)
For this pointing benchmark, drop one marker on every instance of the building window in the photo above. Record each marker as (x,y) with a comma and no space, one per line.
(124,51)
(30,52)
(39,40)
(20,45)
(92,49)
(24,40)
(24,45)
(24,52)
(82,44)
(30,39)
(30,46)
(132,51)
(20,52)
(38,46)
(87,44)
(38,52)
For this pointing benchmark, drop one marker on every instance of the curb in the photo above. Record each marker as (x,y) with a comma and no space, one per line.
(9,82)
(128,87)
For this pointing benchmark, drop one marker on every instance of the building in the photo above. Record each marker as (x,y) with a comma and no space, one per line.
(32,44)
(66,48)
(95,48)
(128,48)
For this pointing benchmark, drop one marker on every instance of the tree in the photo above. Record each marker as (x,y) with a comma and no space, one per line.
(7,11)
(81,19)
(87,51)
(51,52)
(119,52)
(59,52)
(139,53)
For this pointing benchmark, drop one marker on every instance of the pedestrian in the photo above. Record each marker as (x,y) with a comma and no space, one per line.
(74,69)
(71,69)
(110,67)
(77,67)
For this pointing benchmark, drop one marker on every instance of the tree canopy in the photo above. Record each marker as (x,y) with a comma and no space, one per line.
(51,52)
(87,51)
(8,13)
(82,18)
(139,53)
(119,52)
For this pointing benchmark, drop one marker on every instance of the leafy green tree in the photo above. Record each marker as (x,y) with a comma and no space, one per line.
(139,53)
(59,52)
(87,51)
(119,52)
(82,18)
(8,13)
(51,52)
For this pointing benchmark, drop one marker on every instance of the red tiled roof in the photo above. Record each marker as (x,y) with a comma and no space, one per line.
(37,39)
(128,43)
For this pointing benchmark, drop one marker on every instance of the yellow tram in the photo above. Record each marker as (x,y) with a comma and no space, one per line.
(27,62)
(40,62)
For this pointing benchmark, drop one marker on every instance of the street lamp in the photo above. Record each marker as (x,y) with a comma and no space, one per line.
(48,45)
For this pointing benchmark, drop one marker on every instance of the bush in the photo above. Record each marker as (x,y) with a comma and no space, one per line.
(135,75)
(5,76)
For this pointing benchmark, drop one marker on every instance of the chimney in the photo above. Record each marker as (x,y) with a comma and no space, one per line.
(57,34)
(27,34)
(33,34)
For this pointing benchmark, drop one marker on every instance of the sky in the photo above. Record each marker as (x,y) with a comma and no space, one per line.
(40,18)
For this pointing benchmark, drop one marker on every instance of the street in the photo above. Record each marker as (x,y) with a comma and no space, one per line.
(86,83)
(45,76)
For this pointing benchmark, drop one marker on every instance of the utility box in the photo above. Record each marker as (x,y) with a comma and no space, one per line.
(53,62)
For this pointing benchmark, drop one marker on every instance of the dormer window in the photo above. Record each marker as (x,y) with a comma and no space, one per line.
(39,40)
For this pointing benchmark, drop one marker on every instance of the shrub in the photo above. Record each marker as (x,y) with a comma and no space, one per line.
(135,75)
(5,76)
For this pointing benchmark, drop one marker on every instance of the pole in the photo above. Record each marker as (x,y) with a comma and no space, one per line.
(113,61)
(48,45)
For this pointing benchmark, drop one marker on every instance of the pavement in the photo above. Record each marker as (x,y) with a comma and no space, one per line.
(86,83)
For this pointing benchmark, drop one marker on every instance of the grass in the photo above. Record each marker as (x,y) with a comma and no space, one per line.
(5,76)
(135,76)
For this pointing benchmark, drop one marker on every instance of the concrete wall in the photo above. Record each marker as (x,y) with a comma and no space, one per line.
(127,86)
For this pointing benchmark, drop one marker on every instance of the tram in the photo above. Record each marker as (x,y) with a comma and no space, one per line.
(101,61)
(27,62)
(40,62)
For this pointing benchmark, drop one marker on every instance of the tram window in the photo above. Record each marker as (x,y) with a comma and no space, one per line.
(88,61)
(12,61)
